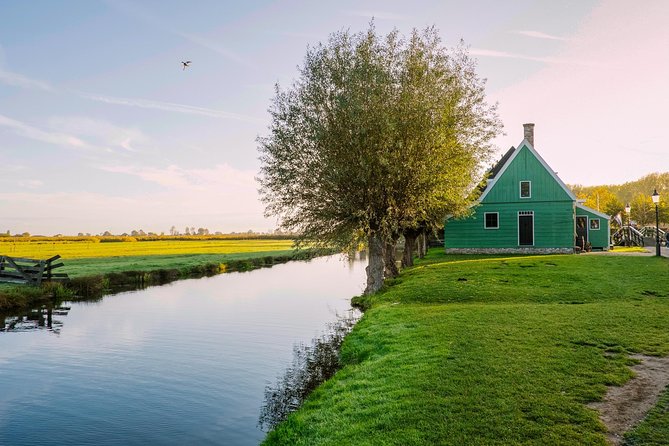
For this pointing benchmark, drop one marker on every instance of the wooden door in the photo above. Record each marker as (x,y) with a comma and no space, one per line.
(581,231)
(525,228)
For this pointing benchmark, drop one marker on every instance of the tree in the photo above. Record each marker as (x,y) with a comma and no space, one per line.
(378,135)
(602,198)
(643,210)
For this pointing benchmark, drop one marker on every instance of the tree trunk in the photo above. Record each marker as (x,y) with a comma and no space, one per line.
(426,239)
(376,264)
(421,245)
(409,248)
(389,256)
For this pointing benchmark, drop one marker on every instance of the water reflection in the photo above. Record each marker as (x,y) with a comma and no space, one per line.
(185,363)
(38,319)
(312,365)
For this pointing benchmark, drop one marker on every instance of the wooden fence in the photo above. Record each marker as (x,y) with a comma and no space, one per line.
(627,236)
(30,271)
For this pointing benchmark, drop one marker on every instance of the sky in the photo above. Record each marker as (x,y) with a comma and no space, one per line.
(101,128)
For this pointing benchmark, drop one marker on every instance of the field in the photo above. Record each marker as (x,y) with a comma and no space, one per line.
(492,351)
(91,249)
(96,266)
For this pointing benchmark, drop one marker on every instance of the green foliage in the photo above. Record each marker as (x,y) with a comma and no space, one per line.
(378,133)
(489,350)
(612,198)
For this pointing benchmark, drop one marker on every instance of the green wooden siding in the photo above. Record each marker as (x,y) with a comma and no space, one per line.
(553,207)
(526,167)
(553,226)
(598,238)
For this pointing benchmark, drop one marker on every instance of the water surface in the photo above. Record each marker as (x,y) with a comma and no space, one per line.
(185,363)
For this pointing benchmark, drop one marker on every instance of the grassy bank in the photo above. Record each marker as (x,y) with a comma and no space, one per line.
(490,351)
(94,276)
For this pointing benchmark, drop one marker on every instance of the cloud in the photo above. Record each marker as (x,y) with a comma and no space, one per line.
(590,118)
(539,35)
(31,184)
(381,15)
(549,60)
(103,133)
(57,138)
(213,46)
(219,198)
(219,177)
(170,106)
(6,168)
(138,12)
(300,35)
(19,80)
(170,177)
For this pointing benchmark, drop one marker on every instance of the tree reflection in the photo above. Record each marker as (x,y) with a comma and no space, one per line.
(312,365)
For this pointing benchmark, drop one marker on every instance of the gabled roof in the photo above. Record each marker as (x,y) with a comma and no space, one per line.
(497,167)
(506,161)
(589,209)
(494,170)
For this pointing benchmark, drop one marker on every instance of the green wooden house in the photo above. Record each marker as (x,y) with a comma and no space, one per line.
(525,207)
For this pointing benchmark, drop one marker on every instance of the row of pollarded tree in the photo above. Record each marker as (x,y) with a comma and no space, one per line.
(379,137)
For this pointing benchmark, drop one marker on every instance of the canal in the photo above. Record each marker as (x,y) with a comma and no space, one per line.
(184,363)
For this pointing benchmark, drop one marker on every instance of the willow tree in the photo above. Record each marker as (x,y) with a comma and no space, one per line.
(378,134)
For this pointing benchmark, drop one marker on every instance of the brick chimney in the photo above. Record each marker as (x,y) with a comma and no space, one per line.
(529,133)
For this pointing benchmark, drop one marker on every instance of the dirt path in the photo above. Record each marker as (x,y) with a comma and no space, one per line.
(623,407)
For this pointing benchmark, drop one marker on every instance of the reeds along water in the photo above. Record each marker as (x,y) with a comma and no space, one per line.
(312,365)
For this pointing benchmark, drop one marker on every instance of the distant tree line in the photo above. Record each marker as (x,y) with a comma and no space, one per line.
(611,199)
(147,238)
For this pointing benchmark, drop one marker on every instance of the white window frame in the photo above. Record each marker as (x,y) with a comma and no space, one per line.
(599,224)
(485,220)
(525,214)
(520,189)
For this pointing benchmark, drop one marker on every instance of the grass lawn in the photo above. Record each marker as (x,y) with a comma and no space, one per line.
(104,265)
(465,350)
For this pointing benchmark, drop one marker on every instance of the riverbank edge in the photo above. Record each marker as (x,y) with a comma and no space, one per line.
(23,297)
(652,426)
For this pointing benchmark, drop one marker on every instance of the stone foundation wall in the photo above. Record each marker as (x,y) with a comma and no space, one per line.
(509,250)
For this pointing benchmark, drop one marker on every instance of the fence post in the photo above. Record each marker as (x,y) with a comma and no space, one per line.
(48,270)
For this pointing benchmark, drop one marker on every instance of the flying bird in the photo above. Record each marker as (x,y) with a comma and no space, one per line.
(185,64)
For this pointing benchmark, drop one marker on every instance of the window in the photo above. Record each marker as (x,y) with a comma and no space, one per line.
(492,220)
(594,224)
(525,189)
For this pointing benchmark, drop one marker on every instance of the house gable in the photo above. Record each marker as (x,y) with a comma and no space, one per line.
(524,207)
(525,164)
